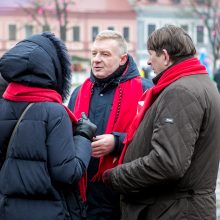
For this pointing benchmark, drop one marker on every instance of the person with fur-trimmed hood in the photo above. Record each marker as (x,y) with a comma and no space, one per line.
(109,96)
(50,149)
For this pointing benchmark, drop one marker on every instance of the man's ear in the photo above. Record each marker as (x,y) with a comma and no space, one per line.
(167,60)
(124,59)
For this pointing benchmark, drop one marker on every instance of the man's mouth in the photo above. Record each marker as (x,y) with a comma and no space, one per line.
(97,68)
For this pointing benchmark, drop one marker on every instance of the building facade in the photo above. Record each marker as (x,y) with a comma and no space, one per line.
(85,19)
(153,14)
(135,19)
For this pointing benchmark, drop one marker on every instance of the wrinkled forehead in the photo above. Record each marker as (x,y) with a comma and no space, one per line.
(108,45)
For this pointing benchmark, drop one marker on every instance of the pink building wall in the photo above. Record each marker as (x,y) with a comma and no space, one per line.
(84,13)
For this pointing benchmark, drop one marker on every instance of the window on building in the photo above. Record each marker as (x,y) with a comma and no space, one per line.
(126,34)
(200,34)
(176,1)
(28,30)
(151,29)
(63,33)
(185,27)
(12,30)
(45,28)
(95,31)
(201,1)
(111,28)
(76,33)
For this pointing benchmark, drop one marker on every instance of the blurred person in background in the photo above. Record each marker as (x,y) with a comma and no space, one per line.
(217,79)
(50,150)
(109,97)
(171,155)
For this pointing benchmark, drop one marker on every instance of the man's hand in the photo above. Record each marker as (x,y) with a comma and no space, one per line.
(103,145)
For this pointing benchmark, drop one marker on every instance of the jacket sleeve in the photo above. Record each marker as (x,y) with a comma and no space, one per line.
(68,155)
(175,132)
(119,138)
(72,100)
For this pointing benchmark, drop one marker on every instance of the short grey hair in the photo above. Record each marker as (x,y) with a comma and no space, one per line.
(114,35)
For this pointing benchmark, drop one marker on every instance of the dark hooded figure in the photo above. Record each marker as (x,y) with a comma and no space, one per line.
(49,151)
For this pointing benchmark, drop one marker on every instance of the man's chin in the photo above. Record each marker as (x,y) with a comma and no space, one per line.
(100,75)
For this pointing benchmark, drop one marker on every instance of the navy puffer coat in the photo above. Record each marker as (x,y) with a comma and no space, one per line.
(38,179)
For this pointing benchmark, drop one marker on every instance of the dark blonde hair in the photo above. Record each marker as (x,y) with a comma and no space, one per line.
(174,39)
(114,35)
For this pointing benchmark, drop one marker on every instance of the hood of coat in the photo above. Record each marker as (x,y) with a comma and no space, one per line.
(132,69)
(40,61)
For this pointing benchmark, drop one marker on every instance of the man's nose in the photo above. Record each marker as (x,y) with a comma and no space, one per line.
(97,57)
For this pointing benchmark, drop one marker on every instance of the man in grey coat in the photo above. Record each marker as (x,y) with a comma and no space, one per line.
(170,162)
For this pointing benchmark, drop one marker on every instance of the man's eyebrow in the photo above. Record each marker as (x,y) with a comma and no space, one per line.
(106,51)
(101,51)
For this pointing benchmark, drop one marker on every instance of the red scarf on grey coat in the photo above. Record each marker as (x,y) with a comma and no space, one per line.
(123,110)
(187,67)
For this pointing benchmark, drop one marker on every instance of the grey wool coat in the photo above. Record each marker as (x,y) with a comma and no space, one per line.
(170,167)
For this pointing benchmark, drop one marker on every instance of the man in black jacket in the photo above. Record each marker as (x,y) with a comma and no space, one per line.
(109,97)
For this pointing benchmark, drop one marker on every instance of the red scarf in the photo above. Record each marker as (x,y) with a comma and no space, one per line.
(188,67)
(21,93)
(126,97)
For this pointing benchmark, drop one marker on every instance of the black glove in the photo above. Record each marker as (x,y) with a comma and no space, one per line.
(85,127)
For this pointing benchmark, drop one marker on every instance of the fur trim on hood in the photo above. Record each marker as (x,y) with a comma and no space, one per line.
(41,60)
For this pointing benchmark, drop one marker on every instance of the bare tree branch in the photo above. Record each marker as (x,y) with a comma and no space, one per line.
(209,13)
(41,14)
